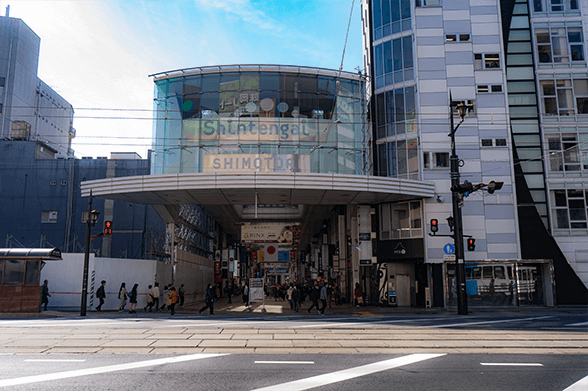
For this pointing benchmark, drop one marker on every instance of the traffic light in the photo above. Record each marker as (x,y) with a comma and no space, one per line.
(467,187)
(434,225)
(493,186)
(108,228)
(471,244)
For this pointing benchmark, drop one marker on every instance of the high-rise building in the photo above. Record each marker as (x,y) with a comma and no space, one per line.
(520,67)
(29,108)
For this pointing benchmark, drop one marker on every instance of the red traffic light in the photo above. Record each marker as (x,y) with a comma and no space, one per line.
(471,244)
(434,225)
(108,228)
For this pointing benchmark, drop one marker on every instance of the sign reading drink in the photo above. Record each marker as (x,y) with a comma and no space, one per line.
(256,163)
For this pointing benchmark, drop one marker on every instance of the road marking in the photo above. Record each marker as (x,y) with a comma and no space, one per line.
(285,362)
(106,369)
(55,360)
(346,374)
(490,322)
(580,385)
(511,364)
(578,324)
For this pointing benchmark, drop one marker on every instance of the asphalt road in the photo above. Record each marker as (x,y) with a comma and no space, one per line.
(294,372)
(536,349)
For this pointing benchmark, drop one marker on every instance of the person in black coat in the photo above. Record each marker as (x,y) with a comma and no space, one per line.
(101,295)
(314,297)
(209,300)
(296,298)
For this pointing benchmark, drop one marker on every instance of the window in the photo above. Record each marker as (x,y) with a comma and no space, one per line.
(436,159)
(49,216)
(501,142)
(484,88)
(559,44)
(567,152)
(428,3)
(564,96)
(457,38)
(469,103)
(1,108)
(402,220)
(487,142)
(2,81)
(486,61)
(569,208)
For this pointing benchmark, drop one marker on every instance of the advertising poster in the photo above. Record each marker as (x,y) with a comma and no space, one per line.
(270,233)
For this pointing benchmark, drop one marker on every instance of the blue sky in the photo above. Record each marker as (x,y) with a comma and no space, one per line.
(98,53)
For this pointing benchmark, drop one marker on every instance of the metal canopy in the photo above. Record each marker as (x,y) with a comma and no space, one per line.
(46,254)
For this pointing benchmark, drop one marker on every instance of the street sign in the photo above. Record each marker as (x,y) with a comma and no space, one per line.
(449,249)
(449,257)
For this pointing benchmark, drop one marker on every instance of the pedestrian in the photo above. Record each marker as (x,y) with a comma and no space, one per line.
(182,293)
(45,294)
(246,295)
(314,296)
(289,296)
(101,295)
(173,299)
(156,296)
(296,298)
(165,297)
(229,294)
(149,299)
(122,295)
(323,297)
(330,294)
(358,295)
(133,299)
(209,300)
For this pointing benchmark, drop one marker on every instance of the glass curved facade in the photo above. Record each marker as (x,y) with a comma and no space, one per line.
(260,119)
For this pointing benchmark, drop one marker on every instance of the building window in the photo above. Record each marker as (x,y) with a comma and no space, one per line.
(2,81)
(568,208)
(49,216)
(402,220)
(457,38)
(436,160)
(564,96)
(470,103)
(560,44)
(486,61)
(487,142)
(555,5)
(565,153)
(428,3)
(485,88)
(500,142)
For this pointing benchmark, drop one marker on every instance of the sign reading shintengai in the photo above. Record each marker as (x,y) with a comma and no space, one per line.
(256,162)
(254,129)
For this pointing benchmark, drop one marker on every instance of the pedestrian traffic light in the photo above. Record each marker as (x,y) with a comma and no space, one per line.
(434,225)
(108,228)
(471,244)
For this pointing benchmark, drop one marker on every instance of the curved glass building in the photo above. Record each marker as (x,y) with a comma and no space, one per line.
(260,118)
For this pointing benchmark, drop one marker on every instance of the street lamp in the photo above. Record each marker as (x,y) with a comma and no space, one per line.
(462,303)
(90,222)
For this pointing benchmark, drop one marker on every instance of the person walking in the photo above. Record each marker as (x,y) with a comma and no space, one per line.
(209,300)
(314,296)
(101,295)
(133,299)
(122,295)
(165,297)
(173,299)
(296,298)
(323,297)
(156,296)
(182,294)
(358,295)
(45,294)
(246,295)
(149,299)
(289,296)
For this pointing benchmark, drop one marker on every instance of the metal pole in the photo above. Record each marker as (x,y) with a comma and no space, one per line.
(86,258)
(462,303)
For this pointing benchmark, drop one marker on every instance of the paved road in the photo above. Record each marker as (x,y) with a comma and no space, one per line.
(541,349)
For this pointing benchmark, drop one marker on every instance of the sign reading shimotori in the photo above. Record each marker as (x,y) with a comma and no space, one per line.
(256,163)
(280,233)
(258,129)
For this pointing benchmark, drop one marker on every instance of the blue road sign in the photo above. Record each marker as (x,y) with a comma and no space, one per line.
(449,249)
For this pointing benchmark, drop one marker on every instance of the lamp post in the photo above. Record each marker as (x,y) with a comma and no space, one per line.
(90,222)
(462,303)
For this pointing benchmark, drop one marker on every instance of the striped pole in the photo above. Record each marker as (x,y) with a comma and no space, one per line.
(92,288)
